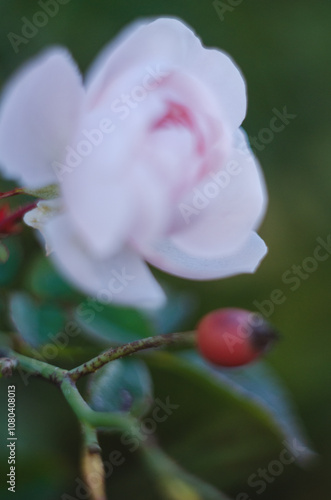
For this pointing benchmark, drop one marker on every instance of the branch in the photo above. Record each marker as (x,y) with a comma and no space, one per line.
(61,377)
(91,463)
(34,366)
(94,418)
(66,379)
(184,338)
(13,192)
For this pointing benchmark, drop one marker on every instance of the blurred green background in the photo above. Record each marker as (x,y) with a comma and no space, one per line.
(283,49)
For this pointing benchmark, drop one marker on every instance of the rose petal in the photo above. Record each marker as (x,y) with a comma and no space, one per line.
(227,212)
(223,77)
(162,45)
(169,258)
(97,191)
(151,42)
(39,113)
(123,279)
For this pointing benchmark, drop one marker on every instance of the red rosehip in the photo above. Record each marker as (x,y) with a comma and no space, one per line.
(234,337)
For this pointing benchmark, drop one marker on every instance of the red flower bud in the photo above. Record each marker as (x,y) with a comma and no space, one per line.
(234,337)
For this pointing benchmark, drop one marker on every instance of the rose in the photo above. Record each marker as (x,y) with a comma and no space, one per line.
(141,152)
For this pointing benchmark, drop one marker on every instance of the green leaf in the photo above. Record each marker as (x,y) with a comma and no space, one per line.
(37,323)
(10,268)
(49,192)
(122,386)
(260,385)
(116,325)
(4,253)
(178,308)
(44,281)
(222,434)
(174,482)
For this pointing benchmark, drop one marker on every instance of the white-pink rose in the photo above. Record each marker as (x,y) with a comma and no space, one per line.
(150,159)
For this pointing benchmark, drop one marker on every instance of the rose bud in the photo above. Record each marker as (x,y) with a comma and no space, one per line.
(234,337)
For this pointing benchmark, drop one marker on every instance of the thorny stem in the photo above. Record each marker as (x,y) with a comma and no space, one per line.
(62,378)
(12,360)
(186,338)
(91,462)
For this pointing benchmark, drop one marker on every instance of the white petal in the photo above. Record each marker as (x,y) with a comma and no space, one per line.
(164,45)
(224,78)
(39,115)
(162,41)
(110,195)
(152,210)
(231,206)
(170,259)
(97,192)
(123,279)
(102,213)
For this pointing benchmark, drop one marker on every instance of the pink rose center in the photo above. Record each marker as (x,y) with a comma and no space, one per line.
(178,115)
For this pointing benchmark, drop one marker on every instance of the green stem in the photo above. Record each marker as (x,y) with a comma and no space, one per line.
(90,417)
(62,378)
(36,367)
(186,338)
(54,374)
(66,379)
(90,438)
